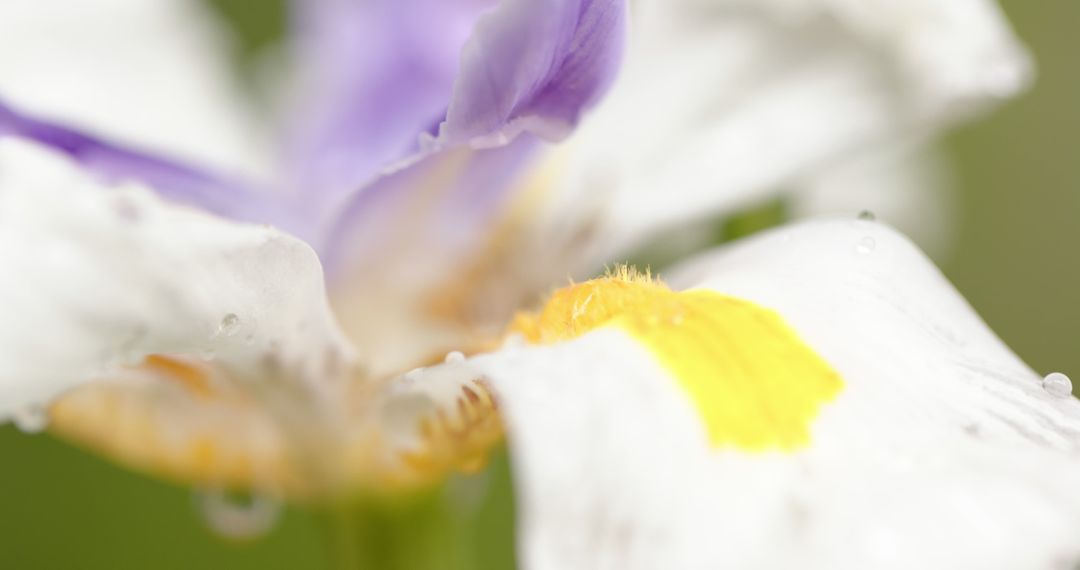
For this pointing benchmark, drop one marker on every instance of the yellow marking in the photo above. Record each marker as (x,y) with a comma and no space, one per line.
(164,418)
(756,385)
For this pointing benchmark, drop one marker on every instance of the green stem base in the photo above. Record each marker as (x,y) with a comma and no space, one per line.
(465,524)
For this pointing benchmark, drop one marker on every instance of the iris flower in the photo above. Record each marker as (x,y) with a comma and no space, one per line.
(372,305)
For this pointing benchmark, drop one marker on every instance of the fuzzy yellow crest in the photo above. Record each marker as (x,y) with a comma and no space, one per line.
(756,385)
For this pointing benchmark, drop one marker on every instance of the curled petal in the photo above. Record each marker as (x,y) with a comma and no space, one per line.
(534,66)
(939,442)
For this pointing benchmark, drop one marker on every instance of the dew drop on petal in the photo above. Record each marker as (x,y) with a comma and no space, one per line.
(238,516)
(866,246)
(455,356)
(229,324)
(31,419)
(1057,384)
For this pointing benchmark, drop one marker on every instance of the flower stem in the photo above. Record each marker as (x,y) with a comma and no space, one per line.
(465,524)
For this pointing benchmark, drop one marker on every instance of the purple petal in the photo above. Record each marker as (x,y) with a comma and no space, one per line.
(387,73)
(173,180)
(396,71)
(378,74)
(534,65)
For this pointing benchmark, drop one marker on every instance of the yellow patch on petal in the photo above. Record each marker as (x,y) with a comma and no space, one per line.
(183,420)
(756,385)
(169,417)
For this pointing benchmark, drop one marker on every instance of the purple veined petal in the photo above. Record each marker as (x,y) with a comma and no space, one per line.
(376,75)
(534,65)
(171,179)
(388,75)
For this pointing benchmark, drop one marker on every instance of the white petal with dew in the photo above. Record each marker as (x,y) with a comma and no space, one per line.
(94,278)
(942,451)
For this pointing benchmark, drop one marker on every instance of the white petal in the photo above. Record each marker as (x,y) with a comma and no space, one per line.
(725,103)
(954,53)
(149,73)
(942,450)
(93,278)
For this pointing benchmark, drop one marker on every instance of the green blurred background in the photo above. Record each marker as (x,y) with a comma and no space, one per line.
(1017,176)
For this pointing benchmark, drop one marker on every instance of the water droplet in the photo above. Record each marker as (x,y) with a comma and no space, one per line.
(237,516)
(31,419)
(866,216)
(866,246)
(1057,384)
(455,356)
(229,324)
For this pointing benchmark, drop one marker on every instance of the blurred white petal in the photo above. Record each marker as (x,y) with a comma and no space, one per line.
(154,74)
(725,103)
(958,55)
(943,450)
(95,278)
